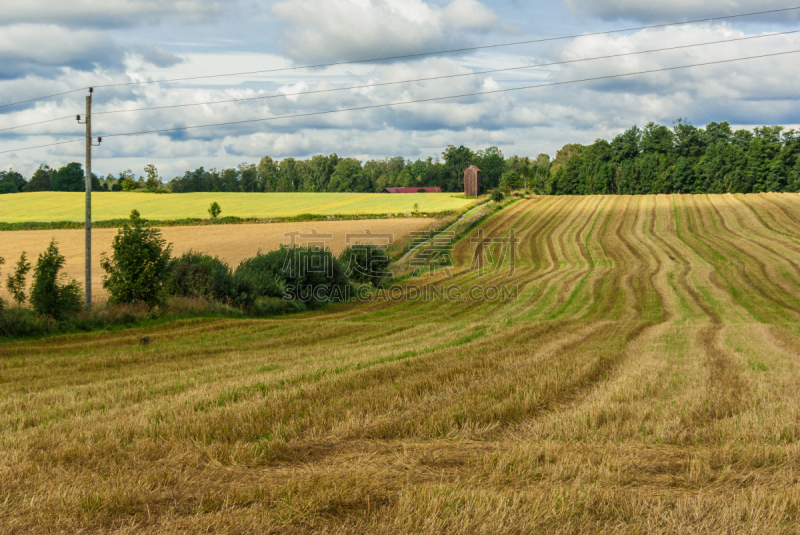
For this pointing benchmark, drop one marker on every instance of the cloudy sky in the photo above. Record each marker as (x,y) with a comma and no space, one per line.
(50,46)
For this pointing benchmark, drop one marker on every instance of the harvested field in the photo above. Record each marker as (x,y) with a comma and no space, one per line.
(645,380)
(60,206)
(232,243)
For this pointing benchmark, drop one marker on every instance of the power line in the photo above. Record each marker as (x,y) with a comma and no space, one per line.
(443,77)
(44,97)
(39,122)
(46,145)
(420,54)
(432,99)
(449,76)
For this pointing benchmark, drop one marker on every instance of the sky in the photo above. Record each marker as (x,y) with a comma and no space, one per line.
(52,46)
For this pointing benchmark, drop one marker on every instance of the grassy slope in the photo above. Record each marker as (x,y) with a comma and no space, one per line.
(645,380)
(54,206)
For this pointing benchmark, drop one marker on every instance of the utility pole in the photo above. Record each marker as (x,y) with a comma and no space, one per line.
(89,200)
(88,237)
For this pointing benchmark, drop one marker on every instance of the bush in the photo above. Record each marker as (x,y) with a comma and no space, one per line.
(311,276)
(139,265)
(273,306)
(24,323)
(2,303)
(252,280)
(48,296)
(5,188)
(200,275)
(497,195)
(366,263)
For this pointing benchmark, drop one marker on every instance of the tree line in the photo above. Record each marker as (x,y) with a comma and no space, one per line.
(684,159)
(653,159)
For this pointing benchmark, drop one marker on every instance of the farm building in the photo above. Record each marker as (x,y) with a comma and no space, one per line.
(472,181)
(412,190)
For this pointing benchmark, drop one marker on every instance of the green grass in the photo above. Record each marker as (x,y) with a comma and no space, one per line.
(60,206)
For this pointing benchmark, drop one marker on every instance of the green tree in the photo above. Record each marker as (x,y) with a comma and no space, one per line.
(12,182)
(153,180)
(457,159)
(512,180)
(16,282)
(68,178)
(346,176)
(492,164)
(48,295)
(40,181)
(794,178)
(127,180)
(684,178)
(267,172)
(214,210)
(139,265)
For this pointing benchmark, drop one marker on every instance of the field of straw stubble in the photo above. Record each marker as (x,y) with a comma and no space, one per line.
(231,243)
(645,380)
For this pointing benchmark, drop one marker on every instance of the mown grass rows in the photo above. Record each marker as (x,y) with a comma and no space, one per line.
(645,379)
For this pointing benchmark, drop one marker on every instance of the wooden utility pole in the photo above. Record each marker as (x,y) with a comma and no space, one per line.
(88,259)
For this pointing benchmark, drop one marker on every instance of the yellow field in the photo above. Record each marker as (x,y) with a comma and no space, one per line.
(645,381)
(232,243)
(59,206)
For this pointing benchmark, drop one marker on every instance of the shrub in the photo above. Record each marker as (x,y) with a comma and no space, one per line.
(312,276)
(23,323)
(200,275)
(5,188)
(16,282)
(214,210)
(48,296)
(366,263)
(139,265)
(497,195)
(273,306)
(253,280)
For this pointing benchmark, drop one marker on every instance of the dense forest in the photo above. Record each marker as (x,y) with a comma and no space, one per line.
(653,159)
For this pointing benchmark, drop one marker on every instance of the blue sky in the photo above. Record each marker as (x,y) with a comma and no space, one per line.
(48,46)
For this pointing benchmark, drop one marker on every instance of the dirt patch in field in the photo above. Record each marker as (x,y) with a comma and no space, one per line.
(232,243)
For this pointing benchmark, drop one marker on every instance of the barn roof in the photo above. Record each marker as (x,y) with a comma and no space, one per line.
(412,190)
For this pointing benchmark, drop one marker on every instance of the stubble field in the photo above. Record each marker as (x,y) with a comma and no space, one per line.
(644,381)
(231,243)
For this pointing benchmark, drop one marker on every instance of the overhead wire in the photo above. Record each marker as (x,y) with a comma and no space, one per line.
(419,54)
(443,77)
(426,79)
(431,99)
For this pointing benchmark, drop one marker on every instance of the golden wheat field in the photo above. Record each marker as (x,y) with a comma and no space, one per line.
(645,380)
(231,243)
(60,206)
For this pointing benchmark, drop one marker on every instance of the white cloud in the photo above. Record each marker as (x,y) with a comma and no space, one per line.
(53,45)
(523,122)
(104,13)
(370,28)
(676,10)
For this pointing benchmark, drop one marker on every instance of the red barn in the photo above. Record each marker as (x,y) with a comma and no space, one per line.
(412,190)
